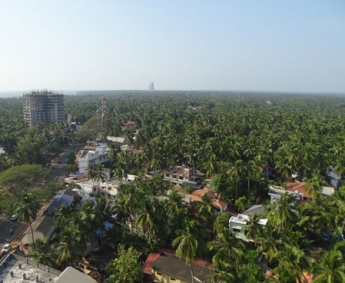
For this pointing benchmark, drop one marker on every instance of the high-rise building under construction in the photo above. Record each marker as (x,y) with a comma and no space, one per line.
(43,107)
(151,87)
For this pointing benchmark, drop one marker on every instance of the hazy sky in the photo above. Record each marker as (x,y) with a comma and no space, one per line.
(268,45)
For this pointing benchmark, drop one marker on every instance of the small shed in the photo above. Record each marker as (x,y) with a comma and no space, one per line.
(43,228)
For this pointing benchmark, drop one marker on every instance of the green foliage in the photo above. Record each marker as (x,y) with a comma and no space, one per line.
(27,207)
(231,138)
(241,203)
(71,157)
(126,268)
(88,131)
(70,168)
(49,190)
(19,178)
(7,203)
(189,190)
(44,253)
(221,222)
(225,187)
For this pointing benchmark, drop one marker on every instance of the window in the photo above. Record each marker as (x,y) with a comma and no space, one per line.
(236,230)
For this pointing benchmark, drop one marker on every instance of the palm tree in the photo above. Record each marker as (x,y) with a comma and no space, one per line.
(70,247)
(91,173)
(283,212)
(313,185)
(223,273)
(102,209)
(235,172)
(145,219)
(99,174)
(27,207)
(228,249)
(173,203)
(132,198)
(269,241)
(186,247)
(293,260)
(331,267)
(62,218)
(119,171)
(205,207)
(252,171)
(44,253)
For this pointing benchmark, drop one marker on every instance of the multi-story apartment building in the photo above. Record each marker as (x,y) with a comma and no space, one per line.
(92,157)
(43,107)
(183,176)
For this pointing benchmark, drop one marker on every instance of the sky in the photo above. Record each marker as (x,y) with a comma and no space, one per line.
(280,45)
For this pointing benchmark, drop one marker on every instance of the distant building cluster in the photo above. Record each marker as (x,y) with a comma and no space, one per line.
(43,107)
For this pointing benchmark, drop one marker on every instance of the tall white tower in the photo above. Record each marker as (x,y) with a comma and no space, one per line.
(151,87)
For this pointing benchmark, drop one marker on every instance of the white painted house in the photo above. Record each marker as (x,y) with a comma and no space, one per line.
(237,224)
(92,157)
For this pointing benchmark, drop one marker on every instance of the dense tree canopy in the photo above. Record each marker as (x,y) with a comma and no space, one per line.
(248,140)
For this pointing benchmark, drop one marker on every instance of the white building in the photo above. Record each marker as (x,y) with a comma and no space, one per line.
(108,189)
(92,157)
(237,224)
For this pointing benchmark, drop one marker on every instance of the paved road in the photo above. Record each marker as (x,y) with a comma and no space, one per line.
(5,225)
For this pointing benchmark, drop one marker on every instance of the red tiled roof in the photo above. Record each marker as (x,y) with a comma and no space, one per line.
(154,256)
(147,264)
(217,203)
(90,147)
(129,122)
(300,187)
(210,193)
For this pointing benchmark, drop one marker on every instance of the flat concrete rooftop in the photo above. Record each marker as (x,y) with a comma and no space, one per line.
(14,268)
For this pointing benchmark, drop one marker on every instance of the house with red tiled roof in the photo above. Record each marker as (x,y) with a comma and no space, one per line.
(129,125)
(196,196)
(298,189)
(164,266)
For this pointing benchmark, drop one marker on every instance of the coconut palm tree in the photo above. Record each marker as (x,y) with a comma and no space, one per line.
(292,261)
(235,173)
(174,203)
(224,273)
(27,207)
(99,174)
(186,247)
(228,249)
(283,211)
(44,252)
(70,247)
(330,267)
(91,173)
(205,208)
